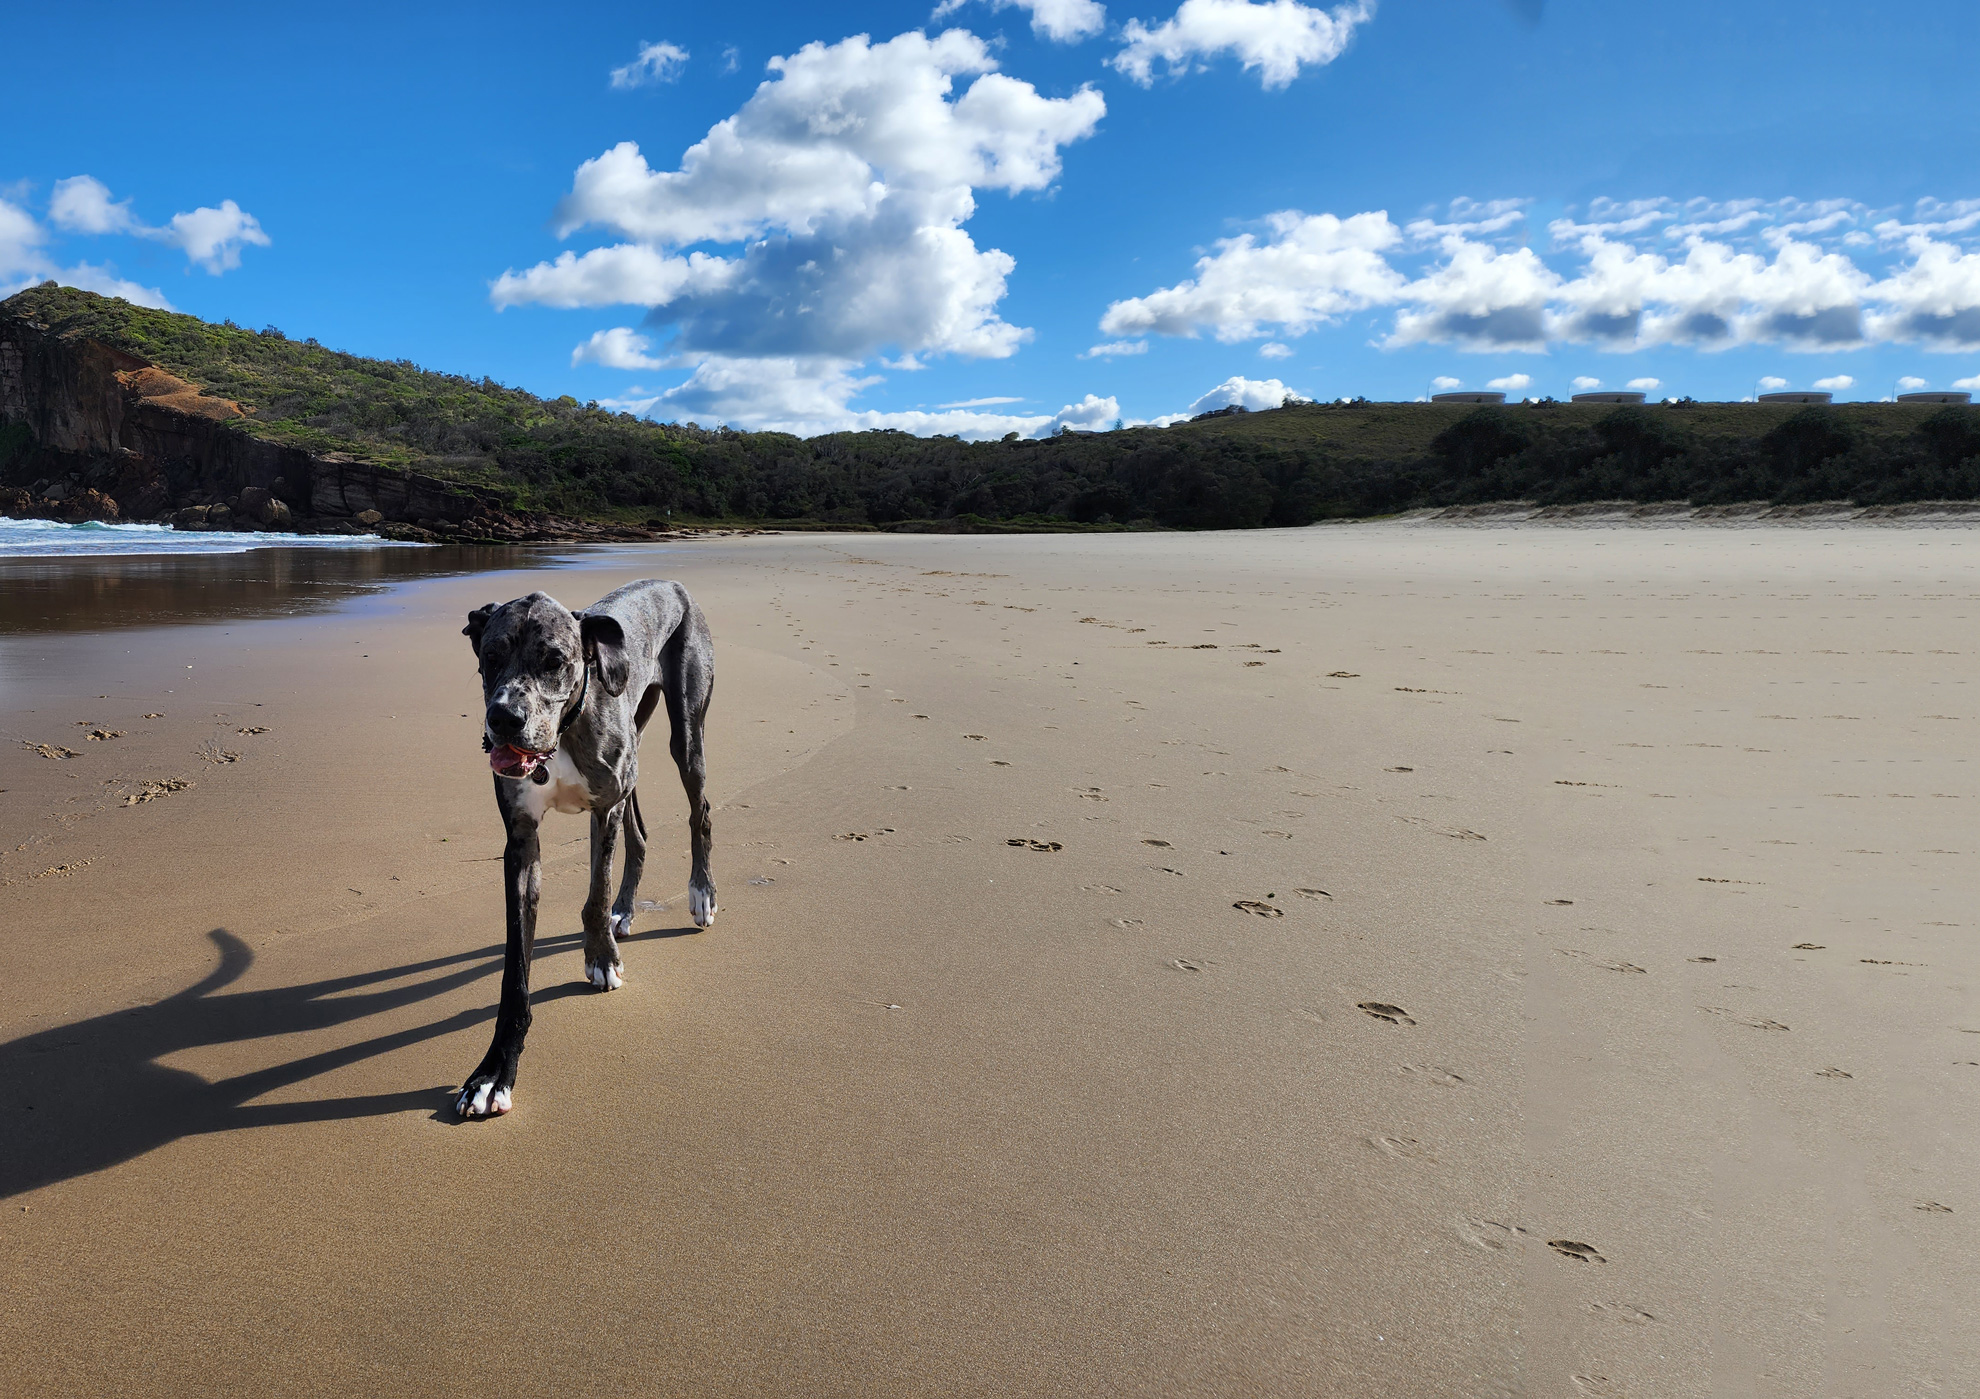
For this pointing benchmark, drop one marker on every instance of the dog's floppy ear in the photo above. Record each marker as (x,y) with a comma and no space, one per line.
(478,623)
(605,643)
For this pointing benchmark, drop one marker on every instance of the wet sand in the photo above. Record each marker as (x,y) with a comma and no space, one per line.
(1598,1020)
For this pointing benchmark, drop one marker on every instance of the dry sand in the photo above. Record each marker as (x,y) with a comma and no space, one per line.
(1657,841)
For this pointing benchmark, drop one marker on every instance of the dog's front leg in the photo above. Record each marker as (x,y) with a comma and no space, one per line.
(490,1089)
(602,965)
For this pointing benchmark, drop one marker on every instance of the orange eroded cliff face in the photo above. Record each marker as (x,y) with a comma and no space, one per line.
(168,391)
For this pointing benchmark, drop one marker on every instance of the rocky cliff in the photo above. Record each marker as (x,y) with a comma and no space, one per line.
(91,432)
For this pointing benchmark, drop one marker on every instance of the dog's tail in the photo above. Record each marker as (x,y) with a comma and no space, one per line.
(639,821)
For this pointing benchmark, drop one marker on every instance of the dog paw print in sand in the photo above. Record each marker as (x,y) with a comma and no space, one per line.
(1754,1022)
(1344,675)
(256,729)
(1436,1075)
(1024,843)
(1402,1148)
(1158,844)
(865,835)
(53,750)
(1320,895)
(1490,1236)
(1932,1207)
(1623,1312)
(1580,1252)
(150,791)
(1257,909)
(1127,924)
(1454,832)
(1833,1072)
(98,735)
(1382,1010)
(1187,964)
(980,738)
(1595,961)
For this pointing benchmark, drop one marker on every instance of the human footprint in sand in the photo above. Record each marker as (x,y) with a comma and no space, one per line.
(568,695)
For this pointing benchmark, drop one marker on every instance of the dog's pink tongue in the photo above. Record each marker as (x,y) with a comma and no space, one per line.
(504,758)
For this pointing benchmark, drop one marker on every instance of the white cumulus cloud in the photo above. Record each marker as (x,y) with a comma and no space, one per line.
(1836,383)
(24,260)
(82,204)
(1253,394)
(1583,384)
(846,179)
(657,63)
(809,397)
(1276,37)
(1115,347)
(1911,384)
(1804,276)
(618,348)
(1062,21)
(1444,383)
(1645,385)
(1307,271)
(1511,383)
(1772,384)
(1272,349)
(210,238)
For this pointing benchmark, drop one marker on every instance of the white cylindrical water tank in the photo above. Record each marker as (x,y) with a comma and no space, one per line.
(1936,396)
(1469,396)
(1608,396)
(1798,396)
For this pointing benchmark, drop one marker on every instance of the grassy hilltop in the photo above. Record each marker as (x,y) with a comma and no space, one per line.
(1289,466)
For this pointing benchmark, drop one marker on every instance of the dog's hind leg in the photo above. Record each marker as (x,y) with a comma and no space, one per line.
(634,829)
(689,676)
(603,967)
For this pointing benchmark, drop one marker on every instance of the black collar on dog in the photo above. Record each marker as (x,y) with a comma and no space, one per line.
(571,714)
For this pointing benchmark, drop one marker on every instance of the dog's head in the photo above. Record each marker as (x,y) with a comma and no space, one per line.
(532,653)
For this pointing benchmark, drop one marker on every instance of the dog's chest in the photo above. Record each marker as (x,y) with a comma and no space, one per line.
(565,790)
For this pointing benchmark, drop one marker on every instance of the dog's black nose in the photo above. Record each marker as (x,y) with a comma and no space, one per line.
(505,721)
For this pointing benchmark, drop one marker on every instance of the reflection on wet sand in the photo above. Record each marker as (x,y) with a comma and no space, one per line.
(105,593)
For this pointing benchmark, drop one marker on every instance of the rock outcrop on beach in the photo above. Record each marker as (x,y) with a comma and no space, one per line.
(92,432)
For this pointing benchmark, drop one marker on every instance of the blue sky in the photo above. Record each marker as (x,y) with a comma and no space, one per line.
(1240,198)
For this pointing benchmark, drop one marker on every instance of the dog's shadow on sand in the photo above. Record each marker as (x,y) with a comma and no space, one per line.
(81,1097)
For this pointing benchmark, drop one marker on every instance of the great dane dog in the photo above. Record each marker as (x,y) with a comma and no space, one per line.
(568,695)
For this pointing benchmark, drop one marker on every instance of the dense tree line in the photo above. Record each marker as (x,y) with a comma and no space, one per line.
(1227,470)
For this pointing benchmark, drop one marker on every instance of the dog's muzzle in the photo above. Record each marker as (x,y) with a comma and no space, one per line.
(507,760)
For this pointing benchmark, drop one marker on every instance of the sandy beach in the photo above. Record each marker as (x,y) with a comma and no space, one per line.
(1379,959)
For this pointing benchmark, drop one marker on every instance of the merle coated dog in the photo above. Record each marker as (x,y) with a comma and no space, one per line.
(568,695)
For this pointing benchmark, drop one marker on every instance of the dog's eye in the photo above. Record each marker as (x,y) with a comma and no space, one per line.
(555,659)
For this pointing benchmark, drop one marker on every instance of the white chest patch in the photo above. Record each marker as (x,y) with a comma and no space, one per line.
(566,790)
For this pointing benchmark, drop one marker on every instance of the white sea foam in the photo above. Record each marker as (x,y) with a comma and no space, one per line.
(33,538)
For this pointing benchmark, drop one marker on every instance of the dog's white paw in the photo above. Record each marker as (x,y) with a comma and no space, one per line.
(483,1100)
(605,976)
(701,906)
(621,925)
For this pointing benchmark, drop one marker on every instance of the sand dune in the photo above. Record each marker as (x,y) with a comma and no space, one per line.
(1386,959)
